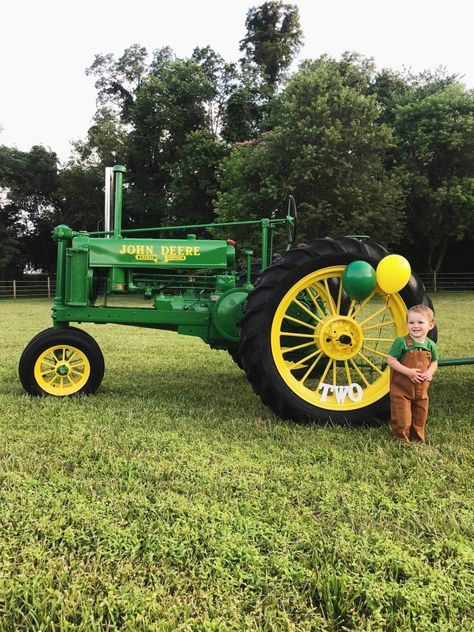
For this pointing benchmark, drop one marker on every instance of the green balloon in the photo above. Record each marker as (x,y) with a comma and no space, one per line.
(359,280)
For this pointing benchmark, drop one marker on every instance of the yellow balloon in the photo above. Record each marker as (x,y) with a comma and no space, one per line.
(393,273)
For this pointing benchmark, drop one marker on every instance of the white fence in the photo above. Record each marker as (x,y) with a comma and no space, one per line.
(44,287)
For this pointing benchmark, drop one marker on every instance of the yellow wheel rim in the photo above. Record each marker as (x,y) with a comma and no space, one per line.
(62,370)
(331,353)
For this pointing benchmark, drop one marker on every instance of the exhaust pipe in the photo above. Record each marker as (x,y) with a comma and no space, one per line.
(109,201)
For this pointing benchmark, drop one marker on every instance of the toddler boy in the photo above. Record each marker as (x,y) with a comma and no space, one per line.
(413,360)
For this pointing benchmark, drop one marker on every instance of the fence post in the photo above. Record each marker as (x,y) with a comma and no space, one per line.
(49,287)
(14,289)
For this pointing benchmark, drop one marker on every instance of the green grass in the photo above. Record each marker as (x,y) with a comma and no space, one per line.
(174,500)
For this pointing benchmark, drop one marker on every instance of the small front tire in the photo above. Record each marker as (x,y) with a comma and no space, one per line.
(61,363)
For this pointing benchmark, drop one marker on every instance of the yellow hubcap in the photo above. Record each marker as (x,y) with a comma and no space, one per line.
(62,370)
(331,351)
(339,337)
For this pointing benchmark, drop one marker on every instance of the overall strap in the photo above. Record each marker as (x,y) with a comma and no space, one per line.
(409,343)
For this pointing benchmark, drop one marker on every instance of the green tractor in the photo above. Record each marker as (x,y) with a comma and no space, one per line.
(308,349)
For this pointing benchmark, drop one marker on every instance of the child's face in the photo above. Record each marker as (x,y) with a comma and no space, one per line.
(419,325)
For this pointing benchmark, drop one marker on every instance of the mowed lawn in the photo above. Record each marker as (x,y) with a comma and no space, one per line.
(174,500)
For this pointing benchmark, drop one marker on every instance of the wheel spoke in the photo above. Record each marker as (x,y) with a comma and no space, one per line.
(326,370)
(351,307)
(289,349)
(386,323)
(348,372)
(311,368)
(301,363)
(371,364)
(331,304)
(374,315)
(48,362)
(363,304)
(314,300)
(359,372)
(299,322)
(308,311)
(378,339)
(76,362)
(294,335)
(379,353)
(51,358)
(339,298)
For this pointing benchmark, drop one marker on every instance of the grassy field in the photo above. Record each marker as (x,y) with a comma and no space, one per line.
(174,500)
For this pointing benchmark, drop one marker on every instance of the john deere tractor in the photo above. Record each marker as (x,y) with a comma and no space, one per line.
(309,350)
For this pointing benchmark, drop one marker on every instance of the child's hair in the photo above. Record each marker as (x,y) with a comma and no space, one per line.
(422,309)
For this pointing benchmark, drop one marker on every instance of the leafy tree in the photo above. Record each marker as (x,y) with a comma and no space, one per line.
(81,196)
(106,141)
(434,159)
(273,38)
(29,207)
(11,256)
(118,80)
(245,110)
(327,148)
(194,182)
(149,109)
(223,78)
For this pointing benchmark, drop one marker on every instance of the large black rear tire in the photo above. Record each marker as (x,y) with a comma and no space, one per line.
(308,350)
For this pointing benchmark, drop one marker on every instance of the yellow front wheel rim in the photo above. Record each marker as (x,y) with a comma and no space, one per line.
(62,370)
(331,353)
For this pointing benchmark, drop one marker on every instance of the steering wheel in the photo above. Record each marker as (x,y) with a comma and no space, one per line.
(292,220)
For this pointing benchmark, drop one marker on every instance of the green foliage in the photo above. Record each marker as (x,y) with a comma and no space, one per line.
(434,154)
(28,208)
(81,191)
(273,38)
(157,505)
(363,151)
(117,80)
(223,78)
(243,115)
(194,183)
(105,144)
(160,109)
(326,147)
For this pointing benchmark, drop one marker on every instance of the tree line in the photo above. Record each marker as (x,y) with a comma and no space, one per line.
(363,150)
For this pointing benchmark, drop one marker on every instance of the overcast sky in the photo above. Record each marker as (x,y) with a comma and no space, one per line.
(45,46)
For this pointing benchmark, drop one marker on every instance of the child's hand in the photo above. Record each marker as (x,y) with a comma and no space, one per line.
(427,376)
(415,375)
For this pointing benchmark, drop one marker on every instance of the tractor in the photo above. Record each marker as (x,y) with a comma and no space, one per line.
(309,350)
